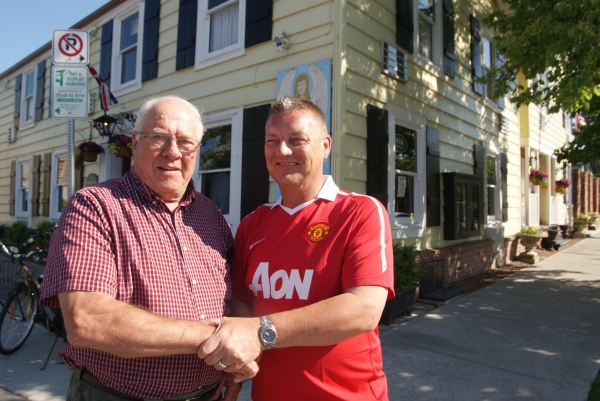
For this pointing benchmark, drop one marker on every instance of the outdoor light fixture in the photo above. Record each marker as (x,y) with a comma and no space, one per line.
(106,123)
(282,44)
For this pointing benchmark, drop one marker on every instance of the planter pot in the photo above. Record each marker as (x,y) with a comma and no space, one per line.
(402,303)
(535,181)
(561,189)
(565,230)
(550,241)
(89,157)
(124,151)
(529,241)
(591,226)
(579,226)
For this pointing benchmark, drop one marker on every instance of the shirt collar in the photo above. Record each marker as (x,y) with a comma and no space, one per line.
(328,192)
(148,194)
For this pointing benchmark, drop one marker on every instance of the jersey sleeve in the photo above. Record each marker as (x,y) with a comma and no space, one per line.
(80,257)
(368,259)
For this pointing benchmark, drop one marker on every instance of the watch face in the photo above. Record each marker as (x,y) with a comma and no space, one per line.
(269,335)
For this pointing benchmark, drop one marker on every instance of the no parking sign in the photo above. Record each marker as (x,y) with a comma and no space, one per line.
(70,46)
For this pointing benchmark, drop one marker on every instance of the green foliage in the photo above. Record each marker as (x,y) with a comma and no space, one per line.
(42,227)
(18,232)
(560,37)
(595,391)
(406,272)
(530,230)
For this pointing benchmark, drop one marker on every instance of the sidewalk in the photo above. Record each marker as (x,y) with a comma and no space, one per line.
(533,335)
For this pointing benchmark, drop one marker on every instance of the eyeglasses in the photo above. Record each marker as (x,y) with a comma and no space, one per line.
(160,141)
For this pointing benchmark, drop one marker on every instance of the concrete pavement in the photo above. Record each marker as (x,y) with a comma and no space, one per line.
(533,335)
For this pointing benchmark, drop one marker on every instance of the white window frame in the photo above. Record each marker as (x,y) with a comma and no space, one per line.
(437,39)
(407,227)
(233,116)
(20,214)
(54,213)
(497,216)
(203,57)
(23,121)
(115,82)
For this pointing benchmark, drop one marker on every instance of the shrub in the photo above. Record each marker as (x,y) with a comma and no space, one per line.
(406,272)
(42,227)
(18,232)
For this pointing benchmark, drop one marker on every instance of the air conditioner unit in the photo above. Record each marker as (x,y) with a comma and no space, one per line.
(12,133)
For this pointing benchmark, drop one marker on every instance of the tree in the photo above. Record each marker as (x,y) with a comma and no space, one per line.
(559,38)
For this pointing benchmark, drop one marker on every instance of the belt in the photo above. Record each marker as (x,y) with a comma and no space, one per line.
(204,394)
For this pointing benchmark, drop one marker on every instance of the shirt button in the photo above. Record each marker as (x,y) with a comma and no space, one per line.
(202,316)
(154,202)
(193,281)
(185,248)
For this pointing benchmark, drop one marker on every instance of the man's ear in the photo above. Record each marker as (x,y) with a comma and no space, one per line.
(326,147)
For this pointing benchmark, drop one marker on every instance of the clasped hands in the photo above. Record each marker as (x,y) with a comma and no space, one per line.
(233,347)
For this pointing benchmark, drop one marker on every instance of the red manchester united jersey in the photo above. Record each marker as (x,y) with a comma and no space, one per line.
(290,258)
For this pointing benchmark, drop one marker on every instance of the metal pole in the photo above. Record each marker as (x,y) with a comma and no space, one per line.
(70,156)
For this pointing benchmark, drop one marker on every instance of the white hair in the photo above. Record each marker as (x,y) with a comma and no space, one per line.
(150,103)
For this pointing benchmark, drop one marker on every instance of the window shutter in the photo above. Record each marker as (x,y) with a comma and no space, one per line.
(477,71)
(150,50)
(479,161)
(500,100)
(259,22)
(448,30)
(106,53)
(378,142)
(433,178)
(13,171)
(46,168)
(186,34)
(17,115)
(39,91)
(504,184)
(35,185)
(404,24)
(255,176)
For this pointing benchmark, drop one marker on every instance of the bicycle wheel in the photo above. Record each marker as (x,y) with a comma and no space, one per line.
(17,319)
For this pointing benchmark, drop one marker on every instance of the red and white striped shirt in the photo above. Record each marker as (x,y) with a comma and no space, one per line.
(120,239)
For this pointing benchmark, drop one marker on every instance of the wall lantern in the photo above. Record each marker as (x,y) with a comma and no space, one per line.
(106,123)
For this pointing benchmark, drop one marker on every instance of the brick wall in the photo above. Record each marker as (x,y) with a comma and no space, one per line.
(461,260)
(586,196)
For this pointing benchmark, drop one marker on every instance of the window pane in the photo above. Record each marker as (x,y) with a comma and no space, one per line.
(491,205)
(129,31)
(24,175)
(62,197)
(425,41)
(223,28)
(427,7)
(491,170)
(405,196)
(24,199)
(215,186)
(61,179)
(474,207)
(214,3)
(29,108)
(405,149)
(128,67)
(29,86)
(461,207)
(487,53)
(215,148)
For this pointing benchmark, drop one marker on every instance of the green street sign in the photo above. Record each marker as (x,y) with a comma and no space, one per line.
(69,92)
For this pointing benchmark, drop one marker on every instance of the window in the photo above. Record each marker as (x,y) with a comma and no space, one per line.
(23,187)
(28,98)
(493,193)
(219,163)
(59,184)
(426,17)
(127,49)
(462,206)
(220,31)
(406,183)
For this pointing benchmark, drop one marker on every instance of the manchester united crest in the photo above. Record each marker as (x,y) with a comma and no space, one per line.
(317,232)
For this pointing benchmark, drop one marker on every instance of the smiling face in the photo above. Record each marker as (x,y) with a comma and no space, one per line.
(166,171)
(296,146)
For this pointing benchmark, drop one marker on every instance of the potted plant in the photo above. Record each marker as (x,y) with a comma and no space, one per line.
(529,236)
(580,224)
(406,281)
(537,177)
(593,218)
(89,150)
(562,185)
(119,145)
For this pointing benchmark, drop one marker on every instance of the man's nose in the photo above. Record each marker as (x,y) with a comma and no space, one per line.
(171,149)
(284,148)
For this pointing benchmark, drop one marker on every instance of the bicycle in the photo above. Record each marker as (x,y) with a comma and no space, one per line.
(22,308)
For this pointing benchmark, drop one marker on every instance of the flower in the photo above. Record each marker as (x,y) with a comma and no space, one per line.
(90,147)
(537,175)
(582,217)
(530,230)
(116,141)
(564,182)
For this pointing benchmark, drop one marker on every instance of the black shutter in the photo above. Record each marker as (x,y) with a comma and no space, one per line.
(500,63)
(477,68)
(448,30)
(11,190)
(255,176)
(433,178)
(259,22)
(150,42)
(35,185)
(504,184)
(46,169)
(404,24)
(17,114)
(106,52)
(186,34)
(479,161)
(378,142)
(39,91)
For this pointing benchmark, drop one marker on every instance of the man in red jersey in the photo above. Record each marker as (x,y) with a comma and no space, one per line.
(138,265)
(312,272)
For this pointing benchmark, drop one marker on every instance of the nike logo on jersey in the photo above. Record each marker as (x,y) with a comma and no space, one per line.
(279,284)
(254,243)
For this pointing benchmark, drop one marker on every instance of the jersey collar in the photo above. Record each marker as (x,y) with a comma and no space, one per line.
(328,192)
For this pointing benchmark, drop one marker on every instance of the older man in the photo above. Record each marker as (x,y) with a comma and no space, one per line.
(314,269)
(138,264)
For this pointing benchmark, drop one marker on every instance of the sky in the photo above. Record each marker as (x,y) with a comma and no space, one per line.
(27,25)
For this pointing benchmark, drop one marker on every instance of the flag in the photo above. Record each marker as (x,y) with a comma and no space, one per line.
(579,122)
(107,99)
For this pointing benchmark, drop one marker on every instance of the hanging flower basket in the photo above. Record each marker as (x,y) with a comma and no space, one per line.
(537,177)
(124,151)
(120,145)
(90,150)
(562,185)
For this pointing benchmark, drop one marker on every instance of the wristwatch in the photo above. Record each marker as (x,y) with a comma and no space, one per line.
(267,333)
